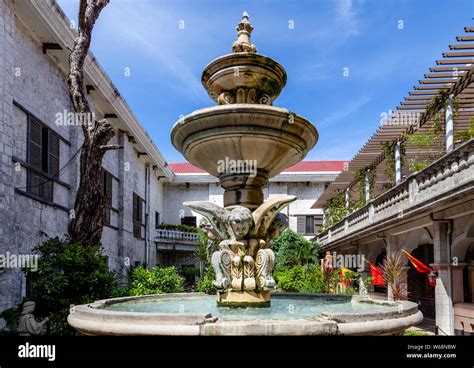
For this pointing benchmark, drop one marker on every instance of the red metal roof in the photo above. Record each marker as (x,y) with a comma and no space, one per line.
(304,166)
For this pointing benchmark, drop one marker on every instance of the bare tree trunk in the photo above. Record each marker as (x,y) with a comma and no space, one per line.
(88,218)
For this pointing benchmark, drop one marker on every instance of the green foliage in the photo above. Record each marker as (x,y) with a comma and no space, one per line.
(421,139)
(120,292)
(415,333)
(300,278)
(388,148)
(69,273)
(157,281)
(206,284)
(12,317)
(466,134)
(359,177)
(185,228)
(417,166)
(201,253)
(293,249)
(336,209)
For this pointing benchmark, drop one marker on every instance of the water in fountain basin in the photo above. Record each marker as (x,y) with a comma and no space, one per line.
(281,308)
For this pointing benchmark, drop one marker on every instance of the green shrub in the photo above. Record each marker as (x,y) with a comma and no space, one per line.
(293,249)
(120,292)
(157,281)
(300,278)
(69,273)
(206,284)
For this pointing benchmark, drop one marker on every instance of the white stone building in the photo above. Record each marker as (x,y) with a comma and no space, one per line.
(39,166)
(305,180)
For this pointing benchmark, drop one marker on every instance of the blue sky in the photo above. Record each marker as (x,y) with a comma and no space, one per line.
(384,62)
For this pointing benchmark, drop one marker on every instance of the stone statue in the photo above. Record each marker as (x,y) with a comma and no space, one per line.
(28,326)
(244,261)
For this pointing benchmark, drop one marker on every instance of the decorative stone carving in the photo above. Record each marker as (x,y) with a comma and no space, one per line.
(28,326)
(244,261)
(225,98)
(243,95)
(244,28)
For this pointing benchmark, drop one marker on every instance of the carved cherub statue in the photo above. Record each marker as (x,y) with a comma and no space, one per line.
(244,260)
(28,326)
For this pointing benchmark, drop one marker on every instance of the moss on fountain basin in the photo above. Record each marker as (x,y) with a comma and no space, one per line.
(290,314)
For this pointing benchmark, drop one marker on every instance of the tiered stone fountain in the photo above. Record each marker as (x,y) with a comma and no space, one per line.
(244,129)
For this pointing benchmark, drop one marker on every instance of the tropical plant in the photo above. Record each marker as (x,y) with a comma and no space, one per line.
(69,273)
(392,268)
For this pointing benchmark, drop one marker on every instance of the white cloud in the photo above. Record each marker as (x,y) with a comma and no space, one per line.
(344,111)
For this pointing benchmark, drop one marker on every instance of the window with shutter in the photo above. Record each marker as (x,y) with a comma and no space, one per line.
(138,224)
(309,228)
(43,156)
(53,154)
(318,222)
(34,143)
(300,224)
(106,190)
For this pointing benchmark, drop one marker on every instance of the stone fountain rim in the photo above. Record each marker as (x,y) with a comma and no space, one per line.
(239,108)
(92,319)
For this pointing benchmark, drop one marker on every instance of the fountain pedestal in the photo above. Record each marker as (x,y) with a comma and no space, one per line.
(243,299)
(244,128)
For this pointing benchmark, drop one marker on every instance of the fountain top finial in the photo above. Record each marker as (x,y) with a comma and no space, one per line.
(244,28)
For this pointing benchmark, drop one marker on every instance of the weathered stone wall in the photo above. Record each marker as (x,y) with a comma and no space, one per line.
(35,81)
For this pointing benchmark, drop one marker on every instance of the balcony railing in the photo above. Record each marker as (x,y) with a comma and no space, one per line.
(452,173)
(176,236)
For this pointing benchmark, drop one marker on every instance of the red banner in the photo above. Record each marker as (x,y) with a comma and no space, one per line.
(420,267)
(377,274)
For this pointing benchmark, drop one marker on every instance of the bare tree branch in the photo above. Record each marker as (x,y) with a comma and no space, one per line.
(88,218)
(109,147)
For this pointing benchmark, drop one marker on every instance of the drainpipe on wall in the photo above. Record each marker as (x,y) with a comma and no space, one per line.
(147,216)
(448,240)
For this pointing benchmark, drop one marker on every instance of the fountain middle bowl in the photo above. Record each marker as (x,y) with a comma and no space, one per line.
(273,136)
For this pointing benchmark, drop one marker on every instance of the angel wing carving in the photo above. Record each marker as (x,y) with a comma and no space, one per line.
(216,215)
(264,215)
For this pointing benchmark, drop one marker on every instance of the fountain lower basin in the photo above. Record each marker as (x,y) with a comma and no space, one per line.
(289,314)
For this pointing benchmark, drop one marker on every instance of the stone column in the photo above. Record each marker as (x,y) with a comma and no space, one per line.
(367,187)
(443,303)
(398,165)
(457,282)
(449,125)
(347,198)
(471,282)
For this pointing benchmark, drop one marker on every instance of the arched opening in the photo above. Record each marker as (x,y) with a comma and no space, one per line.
(419,289)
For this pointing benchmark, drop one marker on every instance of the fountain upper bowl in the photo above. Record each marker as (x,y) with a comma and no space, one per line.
(244,70)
